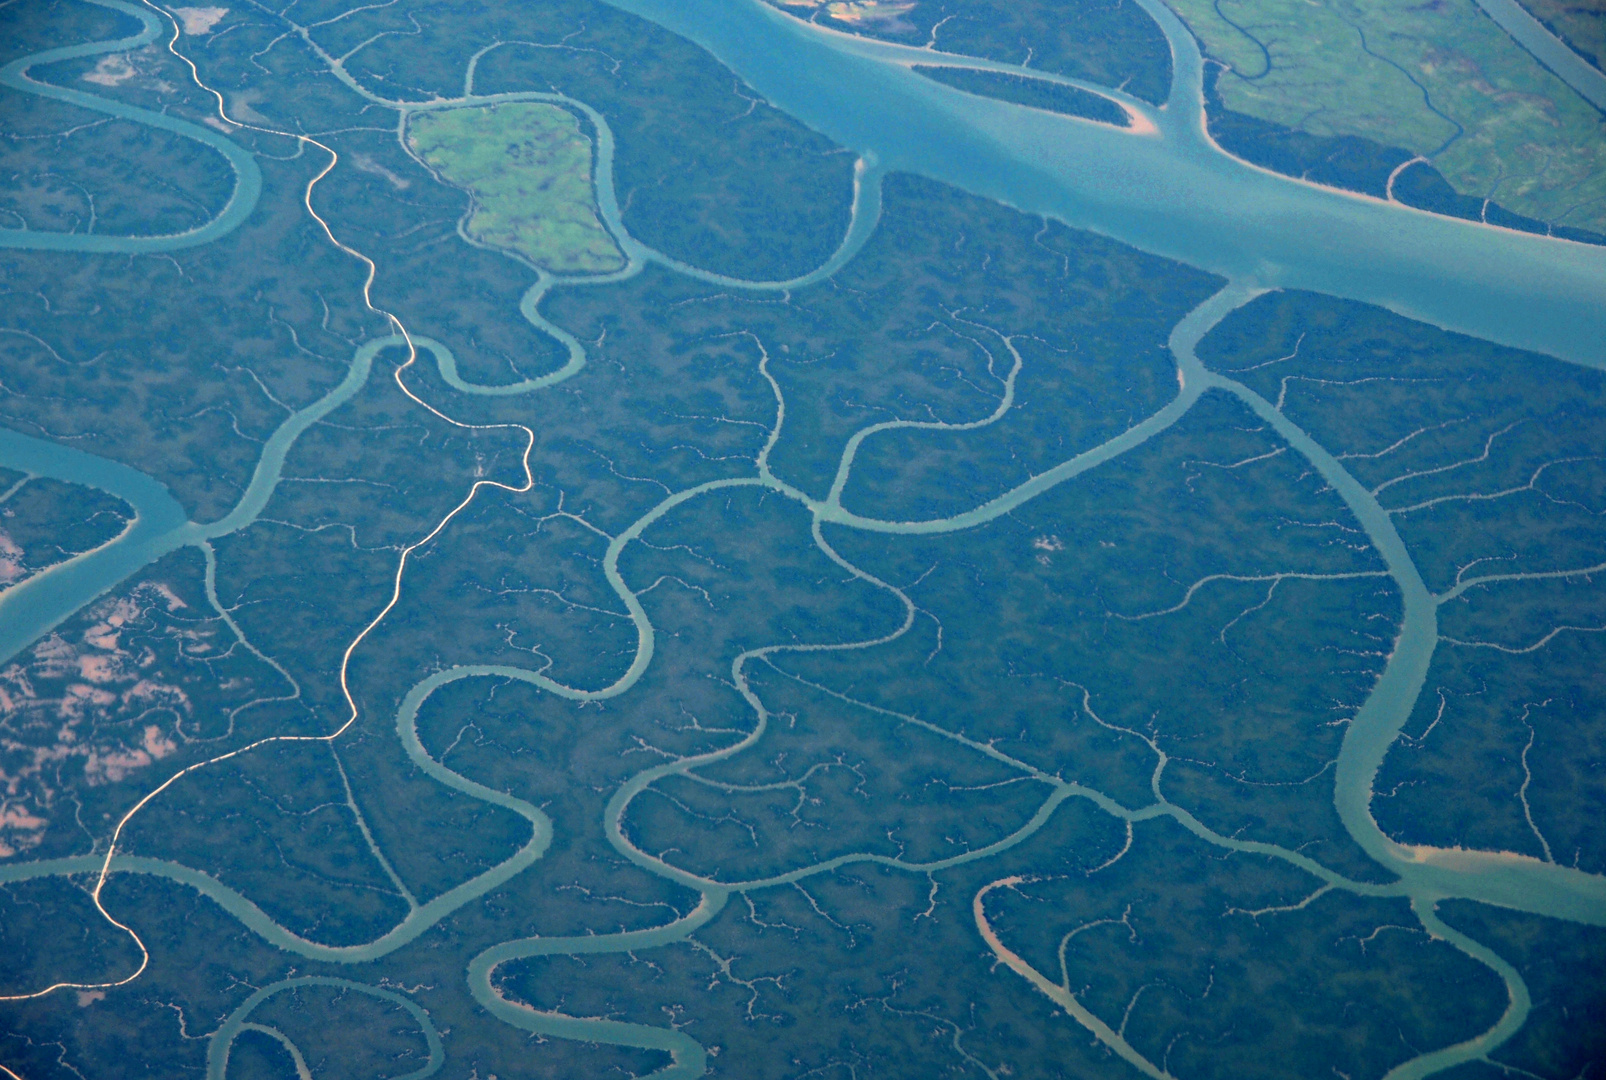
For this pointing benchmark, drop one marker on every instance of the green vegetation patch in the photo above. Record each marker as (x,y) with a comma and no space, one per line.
(528,168)
(1038,93)
(1441,80)
(703,170)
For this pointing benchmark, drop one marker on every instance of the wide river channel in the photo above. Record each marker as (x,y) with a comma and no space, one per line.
(1168,191)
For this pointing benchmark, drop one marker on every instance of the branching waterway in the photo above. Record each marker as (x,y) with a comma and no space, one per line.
(1159,185)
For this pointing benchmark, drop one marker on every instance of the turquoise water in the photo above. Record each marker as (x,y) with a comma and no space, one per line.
(247,176)
(1173,194)
(1170,192)
(31,608)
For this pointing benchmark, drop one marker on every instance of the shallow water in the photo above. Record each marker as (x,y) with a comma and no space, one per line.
(247,176)
(1169,191)
(1172,193)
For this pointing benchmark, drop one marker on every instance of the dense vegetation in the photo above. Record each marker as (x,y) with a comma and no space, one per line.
(878,770)
(1037,93)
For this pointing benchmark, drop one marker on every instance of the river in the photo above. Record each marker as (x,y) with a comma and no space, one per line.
(1163,187)
(1173,194)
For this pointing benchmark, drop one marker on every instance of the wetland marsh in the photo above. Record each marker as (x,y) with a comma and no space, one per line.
(682,544)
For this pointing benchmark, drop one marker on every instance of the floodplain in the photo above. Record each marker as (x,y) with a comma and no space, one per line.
(662,594)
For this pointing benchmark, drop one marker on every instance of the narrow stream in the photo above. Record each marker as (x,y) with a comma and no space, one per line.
(1168,191)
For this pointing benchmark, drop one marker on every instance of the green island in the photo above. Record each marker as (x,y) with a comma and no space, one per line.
(1037,93)
(704,171)
(528,168)
(620,579)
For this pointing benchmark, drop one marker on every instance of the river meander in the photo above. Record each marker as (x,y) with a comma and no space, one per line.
(1169,191)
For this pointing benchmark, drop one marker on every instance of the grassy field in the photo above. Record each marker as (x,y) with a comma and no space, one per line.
(528,167)
(1441,80)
